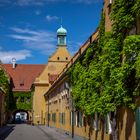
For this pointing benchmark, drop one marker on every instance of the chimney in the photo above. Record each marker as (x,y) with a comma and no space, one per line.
(13,63)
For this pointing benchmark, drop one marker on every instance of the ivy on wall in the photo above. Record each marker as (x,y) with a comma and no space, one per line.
(108,76)
(24,100)
(4,83)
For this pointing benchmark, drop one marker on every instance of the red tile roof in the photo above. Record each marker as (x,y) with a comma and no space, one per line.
(23,76)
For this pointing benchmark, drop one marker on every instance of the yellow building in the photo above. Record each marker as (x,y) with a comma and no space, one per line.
(56,62)
(61,114)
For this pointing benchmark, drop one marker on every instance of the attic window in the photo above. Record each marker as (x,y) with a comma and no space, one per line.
(58,58)
(22,83)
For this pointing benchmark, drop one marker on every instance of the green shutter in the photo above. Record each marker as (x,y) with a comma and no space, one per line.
(138,123)
(80,119)
(59,117)
(106,123)
(63,118)
(70,117)
(96,122)
(74,118)
(92,121)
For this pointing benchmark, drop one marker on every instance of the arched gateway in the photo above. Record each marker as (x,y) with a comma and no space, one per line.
(21,116)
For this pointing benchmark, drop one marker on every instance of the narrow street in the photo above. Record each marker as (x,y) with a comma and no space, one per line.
(29,132)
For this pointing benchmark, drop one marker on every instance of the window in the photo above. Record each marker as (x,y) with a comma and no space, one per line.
(66,58)
(28,100)
(61,40)
(92,121)
(22,99)
(78,119)
(62,118)
(71,118)
(54,117)
(16,99)
(108,128)
(49,116)
(138,123)
(96,122)
(58,58)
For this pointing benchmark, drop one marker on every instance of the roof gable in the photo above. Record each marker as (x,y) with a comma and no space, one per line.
(23,76)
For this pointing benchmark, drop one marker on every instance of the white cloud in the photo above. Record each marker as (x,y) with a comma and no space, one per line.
(43,41)
(6,56)
(51,18)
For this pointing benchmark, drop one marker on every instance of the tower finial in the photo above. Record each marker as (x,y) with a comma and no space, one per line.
(61,21)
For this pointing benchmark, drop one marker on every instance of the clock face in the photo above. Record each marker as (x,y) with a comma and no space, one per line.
(51,67)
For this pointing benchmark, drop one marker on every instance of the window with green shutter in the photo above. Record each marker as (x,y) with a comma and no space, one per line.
(70,118)
(138,123)
(63,118)
(49,116)
(96,125)
(80,119)
(59,117)
(106,123)
(74,118)
(92,121)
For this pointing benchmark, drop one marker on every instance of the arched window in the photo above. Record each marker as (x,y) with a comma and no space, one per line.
(138,123)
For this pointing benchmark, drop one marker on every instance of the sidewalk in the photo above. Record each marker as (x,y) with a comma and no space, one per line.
(54,133)
(58,134)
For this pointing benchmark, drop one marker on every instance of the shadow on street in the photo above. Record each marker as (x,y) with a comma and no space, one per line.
(5,131)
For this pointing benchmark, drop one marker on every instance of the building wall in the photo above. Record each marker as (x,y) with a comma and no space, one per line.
(126,124)
(56,64)
(58,101)
(39,110)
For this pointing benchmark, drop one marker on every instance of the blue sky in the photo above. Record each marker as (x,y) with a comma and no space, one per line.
(28,27)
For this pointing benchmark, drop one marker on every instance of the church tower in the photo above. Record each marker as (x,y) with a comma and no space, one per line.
(61,37)
(56,63)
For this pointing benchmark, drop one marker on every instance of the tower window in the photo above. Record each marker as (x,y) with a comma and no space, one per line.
(61,40)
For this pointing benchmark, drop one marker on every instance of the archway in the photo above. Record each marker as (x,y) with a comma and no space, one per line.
(20,116)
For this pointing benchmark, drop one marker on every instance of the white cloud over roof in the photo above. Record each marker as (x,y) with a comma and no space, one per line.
(6,56)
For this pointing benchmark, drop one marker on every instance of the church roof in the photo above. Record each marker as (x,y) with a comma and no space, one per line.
(61,31)
(23,76)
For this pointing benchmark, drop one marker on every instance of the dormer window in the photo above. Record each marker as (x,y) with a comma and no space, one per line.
(110,1)
(22,83)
